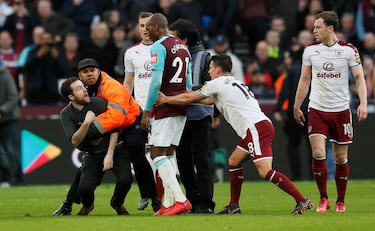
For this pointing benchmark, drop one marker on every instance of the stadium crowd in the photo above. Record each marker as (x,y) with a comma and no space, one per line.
(42,41)
(263,37)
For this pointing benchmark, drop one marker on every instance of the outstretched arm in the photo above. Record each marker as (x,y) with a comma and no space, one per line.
(182,99)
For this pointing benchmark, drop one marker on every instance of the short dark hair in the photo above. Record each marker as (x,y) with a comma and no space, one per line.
(144,14)
(186,30)
(330,18)
(66,87)
(224,61)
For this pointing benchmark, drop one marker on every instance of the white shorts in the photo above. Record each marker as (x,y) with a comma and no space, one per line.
(167,131)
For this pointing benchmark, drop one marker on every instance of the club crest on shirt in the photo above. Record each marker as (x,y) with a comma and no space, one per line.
(339,53)
(154,58)
(147,65)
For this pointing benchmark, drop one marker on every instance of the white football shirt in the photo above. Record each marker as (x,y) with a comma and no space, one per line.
(330,74)
(137,61)
(237,103)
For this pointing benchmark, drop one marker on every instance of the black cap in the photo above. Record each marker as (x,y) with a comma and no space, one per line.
(88,62)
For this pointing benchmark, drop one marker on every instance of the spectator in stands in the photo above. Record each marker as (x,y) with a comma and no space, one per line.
(266,63)
(309,22)
(306,10)
(278,24)
(102,48)
(273,42)
(220,19)
(10,159)
(365,18)
(69,56)
(37,39)
(250,67)
(112,18)
(132,8)
(258,86)
(287,62)
(222,47)
(341,6)
(369,44)
(187,9)
(164,6)
(81,12)
(347,23)
(42,70)
(368,70)
(254,19)
(56,24)
(121,41)
(5,10)
(20,26)
(8,55)
(305,37)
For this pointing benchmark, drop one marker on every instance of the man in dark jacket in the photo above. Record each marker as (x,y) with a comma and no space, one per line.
(193,153)
(10,160)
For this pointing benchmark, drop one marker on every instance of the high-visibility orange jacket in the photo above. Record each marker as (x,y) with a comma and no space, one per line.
(122,109)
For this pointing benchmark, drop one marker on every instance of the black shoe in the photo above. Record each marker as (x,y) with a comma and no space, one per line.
(204,210)
(156,204)
(143,203)
(63,210)
(84,211)
(233,209)
(302,206)
(120,210)
(199,209)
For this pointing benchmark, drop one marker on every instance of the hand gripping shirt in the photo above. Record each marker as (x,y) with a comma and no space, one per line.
(330,74)
(72,118)
(235,101)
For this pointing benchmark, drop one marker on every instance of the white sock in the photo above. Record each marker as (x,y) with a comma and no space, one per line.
(168,176)
(168,197)
(172,160)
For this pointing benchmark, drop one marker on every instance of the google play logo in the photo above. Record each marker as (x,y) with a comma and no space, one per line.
(36,151)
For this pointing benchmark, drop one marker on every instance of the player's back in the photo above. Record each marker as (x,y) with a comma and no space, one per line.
(171,56)
(238,105)
(175,66)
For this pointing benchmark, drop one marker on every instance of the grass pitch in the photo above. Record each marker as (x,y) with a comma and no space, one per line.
(263,205)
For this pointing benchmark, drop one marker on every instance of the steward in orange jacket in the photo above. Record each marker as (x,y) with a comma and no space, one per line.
(122,109)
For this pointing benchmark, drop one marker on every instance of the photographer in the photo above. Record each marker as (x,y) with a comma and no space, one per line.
(42,71)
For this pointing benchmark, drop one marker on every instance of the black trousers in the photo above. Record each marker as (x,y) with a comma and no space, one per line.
(194,163)
(135,140)
(296,135)
(91,174)
(143,171)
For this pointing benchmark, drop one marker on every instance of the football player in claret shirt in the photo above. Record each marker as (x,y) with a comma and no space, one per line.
(170,73)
